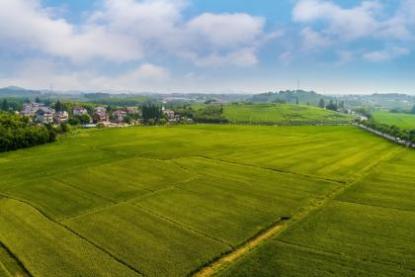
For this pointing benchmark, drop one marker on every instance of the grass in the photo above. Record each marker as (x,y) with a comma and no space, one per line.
(391,185)
(48,249)
(364,231)
(146,241)
(284,114)
(169,200)
(401,120)
(344,239)
(9,266)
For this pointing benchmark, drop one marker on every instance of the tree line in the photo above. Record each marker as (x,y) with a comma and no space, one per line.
(17,132)
(395,131)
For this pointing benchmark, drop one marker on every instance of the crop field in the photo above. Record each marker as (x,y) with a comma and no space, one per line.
(283,114)
(401,120)
(169,201)
(367,230)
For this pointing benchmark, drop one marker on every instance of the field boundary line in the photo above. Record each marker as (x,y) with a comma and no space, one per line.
(63,182)
(5,270)
(75,233)
(314,206)
(240,251)
(126,201)
(20,264)
(332,254)
(182,226)
(315,177)
(375,206)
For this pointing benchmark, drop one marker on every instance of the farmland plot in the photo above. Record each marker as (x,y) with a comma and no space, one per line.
(365,231)
(401,120)
(169,200)
(282,114)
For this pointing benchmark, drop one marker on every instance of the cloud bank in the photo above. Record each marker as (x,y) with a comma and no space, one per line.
(162,44)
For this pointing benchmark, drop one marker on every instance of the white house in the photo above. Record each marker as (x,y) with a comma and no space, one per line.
(119,115)
(61,117)
(78,111)
(44,115)
(30,109)
(100,114)
(169,114)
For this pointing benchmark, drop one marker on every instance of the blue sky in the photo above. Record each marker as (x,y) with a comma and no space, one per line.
(334,47)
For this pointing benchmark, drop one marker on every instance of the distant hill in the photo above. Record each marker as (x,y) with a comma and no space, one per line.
(289,96)
(14,91)
(387,101)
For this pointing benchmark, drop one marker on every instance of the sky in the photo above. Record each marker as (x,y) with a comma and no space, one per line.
(209,46)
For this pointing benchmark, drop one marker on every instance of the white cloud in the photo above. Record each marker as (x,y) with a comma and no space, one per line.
(326,24)
(345,23)
(313,39)
(130,30)
(40,74)
(226,30)
(366,20)
(386,54)
(27,25)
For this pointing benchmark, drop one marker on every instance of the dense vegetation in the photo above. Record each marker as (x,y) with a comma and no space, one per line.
(152,114)
(11,104)
(167,200)
(209,114)
(392,130)
(17,132)
(396,125)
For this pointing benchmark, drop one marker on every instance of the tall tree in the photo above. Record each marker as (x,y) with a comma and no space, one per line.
(332,106)
(152,113)
(322,104)
(4,105)
(59,106)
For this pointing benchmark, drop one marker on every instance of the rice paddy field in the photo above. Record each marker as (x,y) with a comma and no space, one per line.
(401,120)
(172,201)
(283,114)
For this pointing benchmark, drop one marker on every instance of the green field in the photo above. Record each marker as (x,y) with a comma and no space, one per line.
(166,201)
(283,114)
(401,120)
(367,230)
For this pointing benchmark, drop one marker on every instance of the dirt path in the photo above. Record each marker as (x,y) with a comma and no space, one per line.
(314,206)
(241,251)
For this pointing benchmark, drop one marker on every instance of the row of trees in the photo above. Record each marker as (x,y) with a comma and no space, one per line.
(403,134)
(331,105)
(17,132)
(11,104)
(152,114)
(209,114)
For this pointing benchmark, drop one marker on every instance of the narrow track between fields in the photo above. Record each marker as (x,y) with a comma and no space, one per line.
(314,206)
(242,250)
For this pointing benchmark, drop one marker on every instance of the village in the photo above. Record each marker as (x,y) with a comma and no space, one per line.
(91,117)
